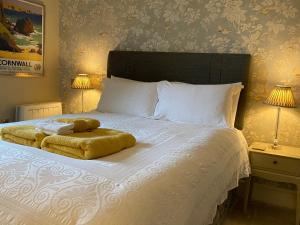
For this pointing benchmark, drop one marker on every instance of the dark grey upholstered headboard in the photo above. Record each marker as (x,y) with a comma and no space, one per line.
(194,68)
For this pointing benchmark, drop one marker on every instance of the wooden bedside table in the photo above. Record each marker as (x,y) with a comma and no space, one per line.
(280,165)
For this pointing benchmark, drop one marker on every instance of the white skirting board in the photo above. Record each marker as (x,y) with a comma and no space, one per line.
(274,196)
(271,195)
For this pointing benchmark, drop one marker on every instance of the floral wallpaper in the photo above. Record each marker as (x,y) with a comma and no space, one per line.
(267,29)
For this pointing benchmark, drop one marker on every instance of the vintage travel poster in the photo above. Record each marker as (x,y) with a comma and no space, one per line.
(21,37)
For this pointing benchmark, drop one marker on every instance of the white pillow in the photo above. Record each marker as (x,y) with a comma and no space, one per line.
(128,97)
(207,105)
(237,88)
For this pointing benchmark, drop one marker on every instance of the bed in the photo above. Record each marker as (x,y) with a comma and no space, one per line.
(176,174)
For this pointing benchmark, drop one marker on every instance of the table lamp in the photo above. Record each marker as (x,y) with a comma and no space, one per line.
(82,82)
(281,96)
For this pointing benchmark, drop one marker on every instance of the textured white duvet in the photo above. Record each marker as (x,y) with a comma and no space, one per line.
(176,174)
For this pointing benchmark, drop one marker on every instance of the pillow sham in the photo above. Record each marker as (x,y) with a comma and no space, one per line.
(207,105)
(128,97)
(237,88)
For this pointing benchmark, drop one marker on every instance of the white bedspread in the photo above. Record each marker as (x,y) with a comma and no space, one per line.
(176,174)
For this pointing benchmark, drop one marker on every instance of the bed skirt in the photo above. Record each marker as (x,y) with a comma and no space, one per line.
(224,209)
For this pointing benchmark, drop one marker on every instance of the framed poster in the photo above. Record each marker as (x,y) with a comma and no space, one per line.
(21,38)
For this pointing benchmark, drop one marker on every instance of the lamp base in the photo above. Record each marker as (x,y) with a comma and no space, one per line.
(275,145)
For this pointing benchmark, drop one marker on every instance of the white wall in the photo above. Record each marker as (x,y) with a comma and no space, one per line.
(15,91)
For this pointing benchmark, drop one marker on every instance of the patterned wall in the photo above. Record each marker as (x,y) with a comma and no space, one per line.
(267,29)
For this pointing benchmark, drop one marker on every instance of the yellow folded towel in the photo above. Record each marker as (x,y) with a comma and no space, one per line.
(81,124)
(23,135)
(89,145)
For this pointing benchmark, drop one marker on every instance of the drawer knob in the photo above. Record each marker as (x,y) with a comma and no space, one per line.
(275,162)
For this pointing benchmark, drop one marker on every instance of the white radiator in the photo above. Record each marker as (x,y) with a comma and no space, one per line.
(38,111)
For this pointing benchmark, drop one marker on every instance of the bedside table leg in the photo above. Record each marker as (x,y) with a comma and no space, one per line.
(247,194)
(298,206)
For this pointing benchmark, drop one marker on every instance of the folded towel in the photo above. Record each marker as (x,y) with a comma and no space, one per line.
(81,124)
(51,127)
(23,135)
(51,132)
(89,145)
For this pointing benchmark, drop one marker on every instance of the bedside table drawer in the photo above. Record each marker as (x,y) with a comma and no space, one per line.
(276,163)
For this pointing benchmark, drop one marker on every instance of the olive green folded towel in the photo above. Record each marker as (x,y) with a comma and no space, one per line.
(89,145)
(23,135)
(81,124)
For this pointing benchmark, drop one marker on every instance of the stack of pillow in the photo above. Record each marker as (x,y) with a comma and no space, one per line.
(205,105)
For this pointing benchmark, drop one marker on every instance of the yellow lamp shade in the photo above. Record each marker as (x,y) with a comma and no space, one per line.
(281,96)
(81,81)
